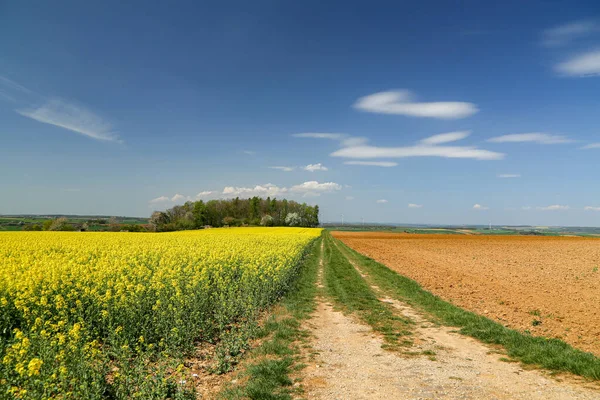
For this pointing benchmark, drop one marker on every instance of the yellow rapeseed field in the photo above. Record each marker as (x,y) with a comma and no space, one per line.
(100,315)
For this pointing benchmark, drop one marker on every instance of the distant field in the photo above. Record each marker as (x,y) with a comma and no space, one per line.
(549,286)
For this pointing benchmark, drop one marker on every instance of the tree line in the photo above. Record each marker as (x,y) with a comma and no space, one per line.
(235,212)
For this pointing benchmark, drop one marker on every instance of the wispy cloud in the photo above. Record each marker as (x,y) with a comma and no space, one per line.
(349,197)
(4,81)
(508,176)
(381,201)
(417,151)
(582,65)
(6,96)
(591,146)
(526,208)
(373,163)
(204,194)
(412,205)
(315,167)
(75,118)
(284,169)
(445,138)
(480,207)
(534,137)
(249,152)
(400,102)
(161,199)
(357,147)
(591,208)
(564,34)
(554,207)
(310,188)
(331,136)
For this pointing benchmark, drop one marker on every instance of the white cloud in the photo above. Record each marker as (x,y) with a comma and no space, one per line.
(310,188)
(331,136)
(445,138)
(349,198)
(179,197)
(259,190)
(13,85)
(315,167)
(314,188)
(285,169)
(400,102)
(412,205)
(563,34)
(590,208)
(508,176)
(585,64)
(372,163)
(381,201)
(417,151)
(161,199)
(591,146)
(534,137)
(526,208)
(74,118)
(249,152)
(555,207)
(204,194)
(480,207)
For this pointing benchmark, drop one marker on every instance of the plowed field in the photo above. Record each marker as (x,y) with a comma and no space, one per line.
(547,285)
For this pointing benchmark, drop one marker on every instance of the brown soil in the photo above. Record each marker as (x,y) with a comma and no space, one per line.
(514,280)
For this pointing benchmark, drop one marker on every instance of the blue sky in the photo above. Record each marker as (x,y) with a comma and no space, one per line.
(426,112)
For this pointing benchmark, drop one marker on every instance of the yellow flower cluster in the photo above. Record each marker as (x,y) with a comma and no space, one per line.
(68,298)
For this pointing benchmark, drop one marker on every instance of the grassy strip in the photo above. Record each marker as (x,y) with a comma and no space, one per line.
(267,374)
(552,354)
(350,291)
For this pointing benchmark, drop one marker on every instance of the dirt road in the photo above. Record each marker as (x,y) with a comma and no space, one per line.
(351,364)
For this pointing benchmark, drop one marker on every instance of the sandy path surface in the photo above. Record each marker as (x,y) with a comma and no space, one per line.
(351,364)
(514,280)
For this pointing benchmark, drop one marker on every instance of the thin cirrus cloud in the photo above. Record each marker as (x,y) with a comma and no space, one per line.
(10,84)
(284,169)
(425,148)
(591,146)
(566,33)
(582,65)
(358,148)
(480,207)
(509,176)
(72,117)
(445,138)
(385,164)
(554,207)
(534,137)
(381,201)
(413,205)
(401,102)
(591,208)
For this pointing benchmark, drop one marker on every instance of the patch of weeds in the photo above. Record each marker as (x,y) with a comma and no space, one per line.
(267,373)
(536,322)
(507,360)
(536,313)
